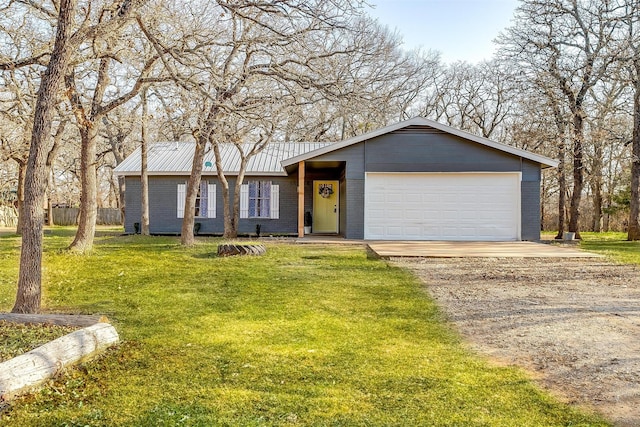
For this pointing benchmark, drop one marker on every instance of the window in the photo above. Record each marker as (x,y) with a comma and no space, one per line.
(259,199)
(205,206)
(201,210)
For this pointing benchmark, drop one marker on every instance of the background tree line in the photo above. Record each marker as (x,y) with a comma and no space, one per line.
(84,83)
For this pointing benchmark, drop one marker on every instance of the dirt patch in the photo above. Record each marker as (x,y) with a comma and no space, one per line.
(574,323)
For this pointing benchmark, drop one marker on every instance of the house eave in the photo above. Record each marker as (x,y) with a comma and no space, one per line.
(187,173)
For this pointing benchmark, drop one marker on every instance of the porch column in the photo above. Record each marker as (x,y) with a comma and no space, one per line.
(301,199)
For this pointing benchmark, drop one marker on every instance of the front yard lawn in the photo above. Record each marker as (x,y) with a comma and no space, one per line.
(612,244)
(18,339)
(305,335)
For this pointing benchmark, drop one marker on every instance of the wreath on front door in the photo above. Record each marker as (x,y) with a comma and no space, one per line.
(325,190)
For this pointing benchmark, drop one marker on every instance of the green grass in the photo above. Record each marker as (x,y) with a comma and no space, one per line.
(612,244)
(18,339)
(305,335)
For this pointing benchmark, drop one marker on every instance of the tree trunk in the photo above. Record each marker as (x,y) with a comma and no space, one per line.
(634,208)
(187,238)
(578,174)
(234,212)
(57,139)
(596,178)
(236,195)
(144,177)
(50,220)
(50,186)
(115,141)
(230,229)
(562,188)
(83,241)
(543,198)
(88,127)
(121,193)
(22,170)
(30,276)
(597,204)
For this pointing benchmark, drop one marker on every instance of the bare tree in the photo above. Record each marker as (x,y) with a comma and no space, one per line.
(607,141)
(567,40)
(88,120)
(57,143)
(632,65)
(475,98)
(29,283)
(19,155)
(19,90)
(144,178)
(244,64)
(634,211)
(378,83)
(66,42)
(118,127)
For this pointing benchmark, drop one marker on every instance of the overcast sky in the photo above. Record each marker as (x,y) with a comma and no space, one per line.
(462,30)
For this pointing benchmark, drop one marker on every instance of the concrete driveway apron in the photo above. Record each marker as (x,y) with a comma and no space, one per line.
(437,249)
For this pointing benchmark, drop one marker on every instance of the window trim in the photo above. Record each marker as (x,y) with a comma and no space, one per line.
(210,200)
(262,203)
(273,201)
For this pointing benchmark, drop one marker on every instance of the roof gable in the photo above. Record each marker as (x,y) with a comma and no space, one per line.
(425,124)
(176,158)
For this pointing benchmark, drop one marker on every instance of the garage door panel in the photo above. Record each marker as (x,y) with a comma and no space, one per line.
(430,231)
(469,215)
(394,230)
(413,215)
(446,206)
(394,198)
(430,216)
(378,197)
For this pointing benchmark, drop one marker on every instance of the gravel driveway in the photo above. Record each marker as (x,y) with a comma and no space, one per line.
(573,323)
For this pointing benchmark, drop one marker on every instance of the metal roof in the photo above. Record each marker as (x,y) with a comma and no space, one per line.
(176,158)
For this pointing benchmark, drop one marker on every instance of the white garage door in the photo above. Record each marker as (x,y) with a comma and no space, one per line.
(442,206)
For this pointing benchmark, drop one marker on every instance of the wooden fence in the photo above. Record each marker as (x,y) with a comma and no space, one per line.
(69,216)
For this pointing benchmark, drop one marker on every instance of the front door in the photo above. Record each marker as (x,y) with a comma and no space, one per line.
(325,207)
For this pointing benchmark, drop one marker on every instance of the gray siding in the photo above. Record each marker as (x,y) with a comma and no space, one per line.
(352,155)
(423,150)
(163,204)
(408,150)
(531,171)
(288,221)
(343,205)
(163,199)
(355,209)
(530,200)
(429,152)
(530,210)
(131,202)
(351,188)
